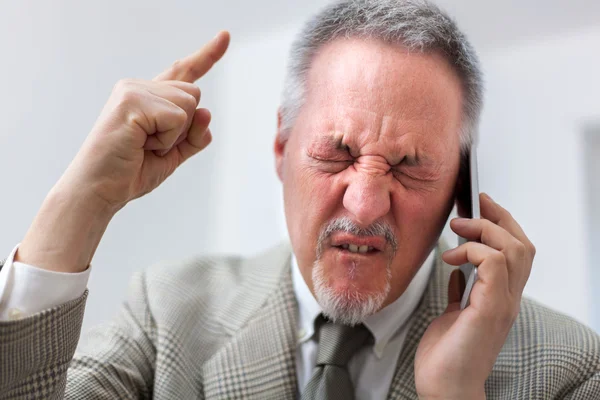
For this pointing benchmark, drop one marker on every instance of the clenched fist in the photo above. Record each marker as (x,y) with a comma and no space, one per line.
(145,131)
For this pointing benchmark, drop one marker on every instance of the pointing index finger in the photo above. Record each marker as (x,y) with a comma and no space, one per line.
(194,66)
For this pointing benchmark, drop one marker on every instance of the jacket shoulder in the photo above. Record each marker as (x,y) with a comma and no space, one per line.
(216,291)
(540,326)
(546,354)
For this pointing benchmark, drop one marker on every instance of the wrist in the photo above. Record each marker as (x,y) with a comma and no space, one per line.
(66,231)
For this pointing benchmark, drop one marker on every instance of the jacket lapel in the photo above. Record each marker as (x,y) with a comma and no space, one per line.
(433,304)
(259,361)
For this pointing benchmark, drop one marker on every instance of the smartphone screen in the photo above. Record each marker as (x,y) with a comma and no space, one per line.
(467,206)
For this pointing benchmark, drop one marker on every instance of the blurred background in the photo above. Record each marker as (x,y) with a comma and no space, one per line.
(539,152)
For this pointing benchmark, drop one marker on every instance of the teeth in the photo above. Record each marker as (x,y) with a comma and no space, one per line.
(356,249)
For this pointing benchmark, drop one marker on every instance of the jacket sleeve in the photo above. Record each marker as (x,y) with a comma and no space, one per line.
(114,360)
(35,352)
(117,360)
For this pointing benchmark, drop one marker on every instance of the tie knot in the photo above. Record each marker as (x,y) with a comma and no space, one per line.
(338,343)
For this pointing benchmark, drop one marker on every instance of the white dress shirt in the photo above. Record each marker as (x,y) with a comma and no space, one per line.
(26,290)
(371,368)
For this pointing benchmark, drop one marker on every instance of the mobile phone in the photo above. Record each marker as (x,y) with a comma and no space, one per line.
(467,204)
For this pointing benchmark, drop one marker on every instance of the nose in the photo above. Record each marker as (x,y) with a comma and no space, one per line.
(367,195)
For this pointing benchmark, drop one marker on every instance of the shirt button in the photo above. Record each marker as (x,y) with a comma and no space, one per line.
(301,333)
(14,314)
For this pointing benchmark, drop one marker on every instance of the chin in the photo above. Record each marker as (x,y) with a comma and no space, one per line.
(350,290)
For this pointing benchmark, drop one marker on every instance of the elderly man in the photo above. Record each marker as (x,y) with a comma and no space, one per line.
(381,104)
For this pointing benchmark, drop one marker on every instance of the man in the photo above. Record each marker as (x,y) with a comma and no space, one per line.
(381,104)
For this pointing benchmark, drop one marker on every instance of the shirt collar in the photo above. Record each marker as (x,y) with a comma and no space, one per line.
(384,324)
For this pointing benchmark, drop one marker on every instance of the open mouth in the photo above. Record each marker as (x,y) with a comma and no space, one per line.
(353,248)
(352,244)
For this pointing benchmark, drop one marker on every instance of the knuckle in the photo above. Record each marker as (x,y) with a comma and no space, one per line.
(176,66)
(468,246)
(520,249)
(136,118)
(532,250)
(190,102)
(180,115)
(123,85)
(130,95)
(126,92)
(498,257)
(195,93)
(128,98)
(486,230)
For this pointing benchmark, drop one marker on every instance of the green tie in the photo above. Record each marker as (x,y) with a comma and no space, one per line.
(337,344)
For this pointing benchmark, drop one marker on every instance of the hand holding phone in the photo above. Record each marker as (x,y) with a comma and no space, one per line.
(462,347)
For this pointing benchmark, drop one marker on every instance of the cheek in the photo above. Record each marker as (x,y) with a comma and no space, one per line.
(311,190)
(419,216)
(311,199)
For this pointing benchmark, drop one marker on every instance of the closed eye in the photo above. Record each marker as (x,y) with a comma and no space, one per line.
(331,165)
(332,160)
(415,174)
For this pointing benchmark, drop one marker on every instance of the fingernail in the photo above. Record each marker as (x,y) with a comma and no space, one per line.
(489,197)
(460,221)
(450,251)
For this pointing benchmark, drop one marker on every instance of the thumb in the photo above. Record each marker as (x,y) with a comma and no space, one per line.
(198,136)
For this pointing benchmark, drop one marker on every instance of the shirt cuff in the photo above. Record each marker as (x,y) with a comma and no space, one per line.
(26,290)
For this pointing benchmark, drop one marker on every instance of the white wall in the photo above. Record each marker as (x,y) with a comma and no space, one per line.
(540,98)
(592,216)
(60,62)
(250,211)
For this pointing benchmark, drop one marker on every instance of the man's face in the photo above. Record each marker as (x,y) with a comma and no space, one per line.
(370,164)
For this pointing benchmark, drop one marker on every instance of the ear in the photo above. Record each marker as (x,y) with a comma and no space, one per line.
(279,147)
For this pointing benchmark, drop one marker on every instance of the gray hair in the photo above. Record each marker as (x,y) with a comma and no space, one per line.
(417,25)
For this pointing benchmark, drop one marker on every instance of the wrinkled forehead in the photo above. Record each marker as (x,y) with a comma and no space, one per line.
(374,91)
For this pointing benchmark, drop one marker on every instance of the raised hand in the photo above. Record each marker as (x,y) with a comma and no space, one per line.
(146,130)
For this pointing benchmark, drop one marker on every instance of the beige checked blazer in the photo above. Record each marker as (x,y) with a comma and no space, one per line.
(224,328)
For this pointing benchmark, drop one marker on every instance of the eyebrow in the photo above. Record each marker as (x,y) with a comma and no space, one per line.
(419,159)
(329,142)
(335,142)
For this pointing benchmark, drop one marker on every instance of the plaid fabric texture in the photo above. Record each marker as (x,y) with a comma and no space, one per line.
(225,328)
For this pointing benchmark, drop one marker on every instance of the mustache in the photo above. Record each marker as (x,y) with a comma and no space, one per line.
(345,224)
